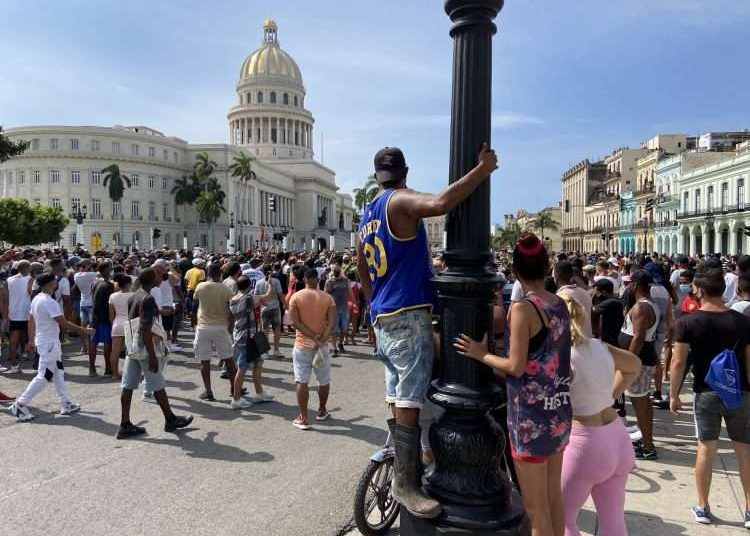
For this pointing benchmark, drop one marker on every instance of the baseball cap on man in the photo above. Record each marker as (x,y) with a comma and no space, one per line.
(390,165)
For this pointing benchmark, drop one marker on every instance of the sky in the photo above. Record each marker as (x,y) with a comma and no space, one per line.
(571,80)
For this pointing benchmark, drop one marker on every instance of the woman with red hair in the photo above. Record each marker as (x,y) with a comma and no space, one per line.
(537,368)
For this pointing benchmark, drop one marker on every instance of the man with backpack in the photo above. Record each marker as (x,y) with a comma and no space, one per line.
(706,334)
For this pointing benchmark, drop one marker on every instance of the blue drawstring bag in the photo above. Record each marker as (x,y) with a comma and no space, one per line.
(724,378)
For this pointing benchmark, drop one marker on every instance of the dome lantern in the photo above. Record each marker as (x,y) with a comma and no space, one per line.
(270,31)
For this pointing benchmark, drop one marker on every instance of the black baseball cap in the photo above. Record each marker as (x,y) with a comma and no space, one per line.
(390,165)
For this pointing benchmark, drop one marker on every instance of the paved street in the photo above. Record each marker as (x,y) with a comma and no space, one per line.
(232,472)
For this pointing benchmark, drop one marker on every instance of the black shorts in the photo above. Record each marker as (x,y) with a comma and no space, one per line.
(19,325)
(709,412)
(167,321)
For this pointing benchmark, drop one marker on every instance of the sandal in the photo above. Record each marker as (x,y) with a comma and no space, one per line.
(302,424)
(323,417)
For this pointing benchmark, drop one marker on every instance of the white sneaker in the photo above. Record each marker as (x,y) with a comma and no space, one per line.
(174,347)
(13,369)
(240,404)
(22,413)
(69,408)
(149,397)
(263,397)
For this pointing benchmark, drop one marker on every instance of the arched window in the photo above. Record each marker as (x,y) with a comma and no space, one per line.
(273,97)
(260,97)
(248,98)
(296,101)
(286,99)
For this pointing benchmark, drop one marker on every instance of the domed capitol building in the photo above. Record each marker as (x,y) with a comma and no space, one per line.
(63,168)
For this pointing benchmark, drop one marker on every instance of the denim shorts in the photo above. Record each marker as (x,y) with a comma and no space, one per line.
(404,345)
(246,356)
(342,321)
(132,371)
(103,334)
(87,315)
(302,360)
(710,411)
(271,319)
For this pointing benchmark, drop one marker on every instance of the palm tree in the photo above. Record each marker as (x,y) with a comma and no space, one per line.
(210,205)
(507,237)
(242,169)
(363,196)
(204,167)
(542,221)
(116,182)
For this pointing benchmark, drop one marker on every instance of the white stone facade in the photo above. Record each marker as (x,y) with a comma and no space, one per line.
(63,168)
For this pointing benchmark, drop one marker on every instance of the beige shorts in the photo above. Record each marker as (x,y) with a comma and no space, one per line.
(642,383)
(212,338)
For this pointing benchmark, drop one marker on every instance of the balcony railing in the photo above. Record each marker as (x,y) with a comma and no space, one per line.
(136,217)
(702,213)
(667,223)
(96,216)
(153,218)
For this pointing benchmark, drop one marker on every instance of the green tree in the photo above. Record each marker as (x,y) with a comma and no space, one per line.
(242,170)
(365,195)
(23,224)
(204,166)
(116,182)
(542,221)
(507,237)
(210,205)
(9,149)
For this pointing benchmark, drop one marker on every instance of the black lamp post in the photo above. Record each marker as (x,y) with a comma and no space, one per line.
(79,214)
(468,444)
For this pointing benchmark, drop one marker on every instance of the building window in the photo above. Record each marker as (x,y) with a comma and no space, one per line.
(296,101)
(116,147)
(165,211)
(152,210)
(96,178)
(164,183)
(165,154)
(35,144)
(53,144)
(273,135)
(724,195)
(741,193)
(36,201)
(273,97)
(75,203)
(151,151)
(174,155)
(96,208)
(710,198)
(135,208)
(21,177)
(134,179)
(134,149)
(54,176)
(116,209)
(286,99)
(686,202)
(151,180)
(36,176)
(697,201)
(74,144)
(260,97)
(95,145)
(75,177)
(56,202)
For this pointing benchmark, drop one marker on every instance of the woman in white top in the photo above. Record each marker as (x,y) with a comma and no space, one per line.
(599,457)
(118,316)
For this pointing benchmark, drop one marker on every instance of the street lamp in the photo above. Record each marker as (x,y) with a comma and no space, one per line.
(474,491)
(231,237)
(79,214)
(710,219)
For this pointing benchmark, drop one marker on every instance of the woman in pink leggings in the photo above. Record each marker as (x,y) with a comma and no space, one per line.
(599,456)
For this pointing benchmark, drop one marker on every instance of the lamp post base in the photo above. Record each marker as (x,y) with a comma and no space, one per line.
(415,526)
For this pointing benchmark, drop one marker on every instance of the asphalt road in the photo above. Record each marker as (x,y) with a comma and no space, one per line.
(232,472)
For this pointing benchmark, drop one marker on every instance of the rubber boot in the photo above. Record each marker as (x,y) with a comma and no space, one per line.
(406,487)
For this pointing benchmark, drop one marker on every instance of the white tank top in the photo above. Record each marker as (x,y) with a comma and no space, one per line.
(593,374)
(627,327)
(19,301)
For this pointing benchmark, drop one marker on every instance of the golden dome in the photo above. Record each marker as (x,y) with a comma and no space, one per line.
(269,59)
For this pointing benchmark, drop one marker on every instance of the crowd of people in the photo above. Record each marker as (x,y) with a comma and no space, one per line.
(572,335)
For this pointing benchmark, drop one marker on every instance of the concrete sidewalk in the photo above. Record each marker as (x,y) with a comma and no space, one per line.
(660,493)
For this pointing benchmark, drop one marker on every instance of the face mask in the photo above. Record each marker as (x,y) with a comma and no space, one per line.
(685,288)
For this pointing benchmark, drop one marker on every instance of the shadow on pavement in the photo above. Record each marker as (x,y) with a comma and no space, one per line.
(208,448)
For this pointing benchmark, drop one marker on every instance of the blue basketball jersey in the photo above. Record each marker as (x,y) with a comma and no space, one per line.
(400,269)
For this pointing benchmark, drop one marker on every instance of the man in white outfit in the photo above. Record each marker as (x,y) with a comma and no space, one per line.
(19,303)
(44,331)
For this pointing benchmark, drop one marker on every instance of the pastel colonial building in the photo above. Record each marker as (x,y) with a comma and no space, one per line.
(269,122)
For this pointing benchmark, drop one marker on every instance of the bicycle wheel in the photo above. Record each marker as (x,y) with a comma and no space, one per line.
(375,509)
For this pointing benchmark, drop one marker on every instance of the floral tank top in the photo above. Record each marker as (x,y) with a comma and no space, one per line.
(539,410)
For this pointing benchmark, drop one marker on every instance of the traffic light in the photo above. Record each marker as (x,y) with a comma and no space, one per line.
(649,204)
(747,230)
(272,203)
(157,233)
